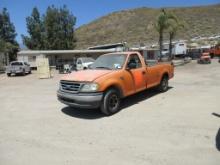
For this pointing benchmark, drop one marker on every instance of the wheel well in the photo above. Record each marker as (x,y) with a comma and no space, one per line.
(165,75)
(116,88)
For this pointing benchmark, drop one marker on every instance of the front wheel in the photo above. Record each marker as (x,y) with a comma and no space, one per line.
(163,86)
(23,73)
(111,102)
(8,74)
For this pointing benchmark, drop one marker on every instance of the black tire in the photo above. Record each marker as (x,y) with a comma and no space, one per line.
(163,86)
(111,102)
(29,72)
(23,73)
(8,74)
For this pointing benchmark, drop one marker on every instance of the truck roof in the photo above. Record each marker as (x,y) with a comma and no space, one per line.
(127,52)
(16,61)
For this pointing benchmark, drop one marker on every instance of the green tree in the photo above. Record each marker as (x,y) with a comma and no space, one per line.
(162,25)
(9,45)
(53,31)
(59,26)
(35,28)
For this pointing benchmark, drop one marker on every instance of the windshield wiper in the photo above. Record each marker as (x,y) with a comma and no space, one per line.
(103,67)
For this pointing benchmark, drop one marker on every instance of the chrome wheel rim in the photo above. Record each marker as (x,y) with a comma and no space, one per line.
(164,84)
(113,101)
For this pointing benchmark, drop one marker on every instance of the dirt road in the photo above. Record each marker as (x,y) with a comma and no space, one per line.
(176,127)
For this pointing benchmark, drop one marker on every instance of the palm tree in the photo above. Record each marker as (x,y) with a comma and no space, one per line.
(173,26)
(162,24)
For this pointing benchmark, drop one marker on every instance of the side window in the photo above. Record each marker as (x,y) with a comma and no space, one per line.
(135,59)
(79,62)
(17,63)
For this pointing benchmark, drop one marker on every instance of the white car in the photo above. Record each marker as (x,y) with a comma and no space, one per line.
(18,67)
(84,62)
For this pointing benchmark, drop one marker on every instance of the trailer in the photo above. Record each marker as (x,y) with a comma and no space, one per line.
(178,48)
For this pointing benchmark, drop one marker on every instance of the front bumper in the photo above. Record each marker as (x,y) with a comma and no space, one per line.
(80,100)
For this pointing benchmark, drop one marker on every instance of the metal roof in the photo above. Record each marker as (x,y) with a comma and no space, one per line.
(48,52)
(107,46)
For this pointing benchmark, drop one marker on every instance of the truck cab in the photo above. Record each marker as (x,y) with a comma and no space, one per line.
(205,58)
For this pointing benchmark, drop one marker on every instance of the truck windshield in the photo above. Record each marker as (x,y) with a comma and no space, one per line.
(17,63)
(111,61)
(88,59)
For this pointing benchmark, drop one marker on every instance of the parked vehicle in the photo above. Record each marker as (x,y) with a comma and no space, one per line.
(18,67)
(112,77)
(179,49)
(205,58)
(215,51)
(83,63)
(66,68)
(194,53)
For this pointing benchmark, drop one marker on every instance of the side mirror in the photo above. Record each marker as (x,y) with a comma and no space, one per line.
(131,65)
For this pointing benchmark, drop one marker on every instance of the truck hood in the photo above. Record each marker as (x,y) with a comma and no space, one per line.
(85,75)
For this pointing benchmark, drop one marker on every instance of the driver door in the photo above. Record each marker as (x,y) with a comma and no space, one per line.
(138,73)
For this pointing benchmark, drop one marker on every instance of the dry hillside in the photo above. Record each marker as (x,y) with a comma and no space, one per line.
(136,26)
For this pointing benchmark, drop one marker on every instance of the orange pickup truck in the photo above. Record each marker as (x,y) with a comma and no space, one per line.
(110,78)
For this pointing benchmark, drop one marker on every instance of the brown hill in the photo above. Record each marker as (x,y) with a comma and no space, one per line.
(136,26)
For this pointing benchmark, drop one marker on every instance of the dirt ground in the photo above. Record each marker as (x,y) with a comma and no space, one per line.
(179,127)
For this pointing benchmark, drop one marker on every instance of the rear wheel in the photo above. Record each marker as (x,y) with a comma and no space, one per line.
(111,102)
(163,87)
(8,74)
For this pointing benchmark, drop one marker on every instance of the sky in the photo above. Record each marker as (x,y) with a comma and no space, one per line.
(85,10)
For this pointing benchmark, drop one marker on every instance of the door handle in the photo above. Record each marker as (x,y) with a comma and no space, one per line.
(143,72)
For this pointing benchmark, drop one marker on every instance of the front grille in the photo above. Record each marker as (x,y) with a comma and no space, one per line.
(70,86)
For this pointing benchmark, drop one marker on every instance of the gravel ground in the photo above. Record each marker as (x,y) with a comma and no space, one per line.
(181,126)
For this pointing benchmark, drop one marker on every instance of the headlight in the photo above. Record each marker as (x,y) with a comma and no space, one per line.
(60,87)
(89,87)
